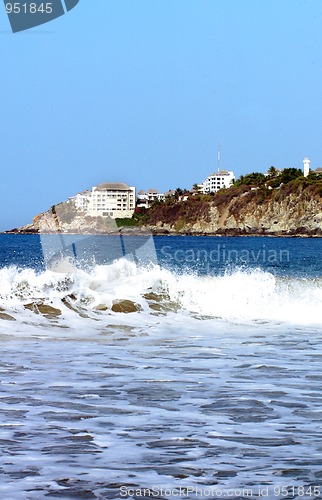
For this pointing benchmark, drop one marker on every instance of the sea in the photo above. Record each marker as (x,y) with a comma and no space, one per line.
(160,367)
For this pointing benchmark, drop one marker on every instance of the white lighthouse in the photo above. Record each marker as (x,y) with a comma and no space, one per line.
(306,166)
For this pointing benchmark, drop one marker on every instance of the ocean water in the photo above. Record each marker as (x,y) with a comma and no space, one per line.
(207,385)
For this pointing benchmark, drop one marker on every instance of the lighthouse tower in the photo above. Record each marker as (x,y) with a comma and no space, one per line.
(306,166)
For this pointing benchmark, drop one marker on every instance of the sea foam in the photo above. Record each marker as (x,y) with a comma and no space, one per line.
(238,296)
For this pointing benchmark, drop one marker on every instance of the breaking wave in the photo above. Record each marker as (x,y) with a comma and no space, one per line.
(125,287)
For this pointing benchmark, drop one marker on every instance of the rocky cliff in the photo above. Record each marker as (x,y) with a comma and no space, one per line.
(66,219)
(288,210)
(291,209)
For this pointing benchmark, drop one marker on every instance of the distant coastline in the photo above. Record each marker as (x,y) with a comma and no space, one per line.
(153,232)
(282,204)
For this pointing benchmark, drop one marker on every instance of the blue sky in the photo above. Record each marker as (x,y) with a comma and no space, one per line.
(142,91)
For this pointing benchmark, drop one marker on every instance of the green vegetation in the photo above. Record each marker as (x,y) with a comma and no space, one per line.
(255,179)
(272,172)
(173,212)
(293,177)
(126,222)
(274,178)
(139,216)
(287,175)
(180,192)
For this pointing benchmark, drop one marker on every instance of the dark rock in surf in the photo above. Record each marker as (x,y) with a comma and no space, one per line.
(125,306)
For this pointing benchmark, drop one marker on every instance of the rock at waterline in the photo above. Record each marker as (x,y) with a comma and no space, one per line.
(125,306)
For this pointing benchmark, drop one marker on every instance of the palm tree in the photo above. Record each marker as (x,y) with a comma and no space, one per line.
(272,171)
(178,192)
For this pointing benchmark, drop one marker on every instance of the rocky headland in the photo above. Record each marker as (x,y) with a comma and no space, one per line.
(286,211)
(291,209)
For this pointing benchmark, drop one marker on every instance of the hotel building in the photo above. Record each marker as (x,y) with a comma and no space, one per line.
(112,200)
(216,181)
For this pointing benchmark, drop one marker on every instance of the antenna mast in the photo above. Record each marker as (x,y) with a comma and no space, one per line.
(218,158)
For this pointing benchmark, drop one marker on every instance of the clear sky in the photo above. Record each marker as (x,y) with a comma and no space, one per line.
(142,91)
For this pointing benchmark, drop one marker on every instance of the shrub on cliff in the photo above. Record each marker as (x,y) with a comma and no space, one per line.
(255,179)
(286,176)
(189,211)
(236,200)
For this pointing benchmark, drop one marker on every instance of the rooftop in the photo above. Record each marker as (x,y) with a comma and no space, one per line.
(112,186)
(221,172)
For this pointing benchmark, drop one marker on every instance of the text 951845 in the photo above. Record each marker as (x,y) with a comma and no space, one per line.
(29,8)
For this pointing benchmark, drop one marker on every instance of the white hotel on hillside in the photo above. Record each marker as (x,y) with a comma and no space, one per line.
(217,180)
(116,200)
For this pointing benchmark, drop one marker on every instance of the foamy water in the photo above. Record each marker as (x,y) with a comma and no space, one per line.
(212,382)
(239,296)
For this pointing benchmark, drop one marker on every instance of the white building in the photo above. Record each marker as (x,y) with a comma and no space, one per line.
(116,200)
(145,198)
(218,180)
(306,166)
(154,195)
(81,200)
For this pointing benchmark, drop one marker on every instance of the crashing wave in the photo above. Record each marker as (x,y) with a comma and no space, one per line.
(126,287)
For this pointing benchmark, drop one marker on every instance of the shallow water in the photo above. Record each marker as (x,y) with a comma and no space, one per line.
(213,382)
(158,405)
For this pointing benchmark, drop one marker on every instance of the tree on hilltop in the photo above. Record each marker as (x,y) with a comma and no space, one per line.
(272,171)
(254,179)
